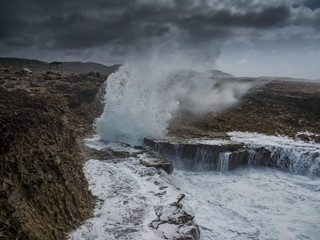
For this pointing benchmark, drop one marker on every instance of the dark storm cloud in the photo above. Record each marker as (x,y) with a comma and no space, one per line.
(79,24)
(312,4)
(256,19)
(80,31)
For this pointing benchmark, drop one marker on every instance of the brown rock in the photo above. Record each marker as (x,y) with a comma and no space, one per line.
(43,191)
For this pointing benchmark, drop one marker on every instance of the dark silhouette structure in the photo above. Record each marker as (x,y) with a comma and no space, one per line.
(54,66)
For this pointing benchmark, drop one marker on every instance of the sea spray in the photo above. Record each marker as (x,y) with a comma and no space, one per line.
(135,107)
(147,92)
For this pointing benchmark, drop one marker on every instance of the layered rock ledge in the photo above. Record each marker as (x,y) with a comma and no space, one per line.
(200,154)
(203,154)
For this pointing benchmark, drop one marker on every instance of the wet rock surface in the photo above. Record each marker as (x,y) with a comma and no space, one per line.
(197,155)
(173,216)
(159,163)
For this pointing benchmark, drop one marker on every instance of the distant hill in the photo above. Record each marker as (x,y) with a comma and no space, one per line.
(15,64)
(220,74)
(80,67)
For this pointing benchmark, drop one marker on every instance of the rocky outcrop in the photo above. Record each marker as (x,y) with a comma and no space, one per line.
(280,106)
(174,217)
(199,156)
(238,158)
(43,191)
(160,163)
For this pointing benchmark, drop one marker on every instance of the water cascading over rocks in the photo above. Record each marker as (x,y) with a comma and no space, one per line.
(293,155)
(287,154)
(201,155)
(223,163)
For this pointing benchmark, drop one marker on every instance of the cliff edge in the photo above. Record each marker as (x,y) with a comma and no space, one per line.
(43,191)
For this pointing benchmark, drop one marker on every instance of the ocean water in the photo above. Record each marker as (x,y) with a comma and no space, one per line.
(252,203)
(255,202)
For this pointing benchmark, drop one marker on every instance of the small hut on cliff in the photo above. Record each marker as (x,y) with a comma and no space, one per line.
(55,67)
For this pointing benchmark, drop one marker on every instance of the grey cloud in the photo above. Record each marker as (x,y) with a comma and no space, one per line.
(77,24)
(312,4)
(266,18)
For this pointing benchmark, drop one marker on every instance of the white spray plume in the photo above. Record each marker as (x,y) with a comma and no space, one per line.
(147,91)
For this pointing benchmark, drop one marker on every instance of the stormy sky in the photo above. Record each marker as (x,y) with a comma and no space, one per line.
(246,37)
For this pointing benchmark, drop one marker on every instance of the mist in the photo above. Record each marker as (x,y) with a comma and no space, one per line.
(152,87)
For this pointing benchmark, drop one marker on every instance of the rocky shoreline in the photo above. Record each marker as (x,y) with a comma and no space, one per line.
(45,116)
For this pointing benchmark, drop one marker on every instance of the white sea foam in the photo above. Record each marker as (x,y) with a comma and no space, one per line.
(256,139)
(218,142)
(205,141)
(128,193)
(252,203)
(97,143)
(246,203)
(122,206)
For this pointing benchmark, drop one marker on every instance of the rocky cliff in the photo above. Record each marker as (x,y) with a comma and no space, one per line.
(43,191)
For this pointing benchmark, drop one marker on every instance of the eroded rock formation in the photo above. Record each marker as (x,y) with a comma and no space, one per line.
(43,191)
